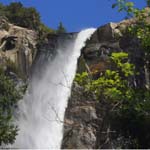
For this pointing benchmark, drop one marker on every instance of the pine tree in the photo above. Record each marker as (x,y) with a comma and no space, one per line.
(148,3)
(61,28)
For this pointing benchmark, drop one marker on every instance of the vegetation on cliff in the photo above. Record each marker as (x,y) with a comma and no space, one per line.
(128,104)
(9,96)
(29,18)
(19,15)
(61,28)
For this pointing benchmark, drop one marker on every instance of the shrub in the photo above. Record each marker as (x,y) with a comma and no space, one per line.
(9,97)
(129,107)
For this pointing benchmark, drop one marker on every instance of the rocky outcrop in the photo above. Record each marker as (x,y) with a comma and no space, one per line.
(113,38)
(79,126)
(17,47)
(87,123)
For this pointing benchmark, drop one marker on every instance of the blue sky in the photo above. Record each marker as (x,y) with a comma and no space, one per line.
(76,14)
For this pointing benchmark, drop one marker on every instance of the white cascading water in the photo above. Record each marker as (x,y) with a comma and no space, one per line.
(43,107)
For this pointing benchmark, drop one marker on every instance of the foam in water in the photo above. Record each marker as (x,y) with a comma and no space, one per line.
(43,107)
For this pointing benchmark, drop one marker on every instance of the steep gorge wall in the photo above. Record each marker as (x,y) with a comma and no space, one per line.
(86,122)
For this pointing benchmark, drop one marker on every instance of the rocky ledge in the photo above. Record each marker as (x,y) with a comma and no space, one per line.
(17,47)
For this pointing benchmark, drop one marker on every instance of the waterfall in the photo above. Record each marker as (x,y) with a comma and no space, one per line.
(41,112)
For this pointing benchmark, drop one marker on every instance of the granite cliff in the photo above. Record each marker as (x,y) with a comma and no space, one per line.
(86,120)
(17,47)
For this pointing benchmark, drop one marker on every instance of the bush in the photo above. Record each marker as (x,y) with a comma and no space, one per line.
(129,107)
(9,97)
(22,16)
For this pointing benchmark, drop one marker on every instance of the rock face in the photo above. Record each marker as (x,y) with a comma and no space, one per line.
(79,128)
(86,121)
(17,47)
(112,38)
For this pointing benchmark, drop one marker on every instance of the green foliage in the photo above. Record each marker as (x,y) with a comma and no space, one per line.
(43,32)
(61,28)
(113,84)
(124,5)
(2,10)
(43,28)
(141,30)
(129,105)
(126,68)
(135,111)
(22,16)
(148,3)
(19,15)
(82,79)
(9,97)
